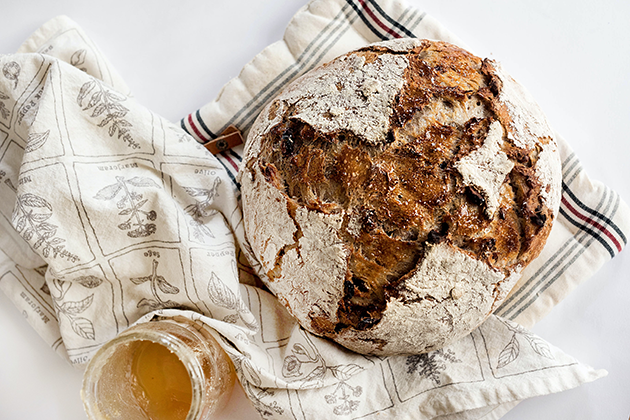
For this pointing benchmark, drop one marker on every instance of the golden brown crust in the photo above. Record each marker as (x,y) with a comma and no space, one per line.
(398,197)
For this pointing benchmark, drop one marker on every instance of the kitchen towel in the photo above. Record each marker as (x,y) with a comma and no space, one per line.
(112,216)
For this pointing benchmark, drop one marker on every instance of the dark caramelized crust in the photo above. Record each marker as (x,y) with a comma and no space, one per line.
(401,195)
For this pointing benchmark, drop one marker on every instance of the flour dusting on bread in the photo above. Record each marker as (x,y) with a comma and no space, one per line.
(487,167)
(394,195)
(362,94)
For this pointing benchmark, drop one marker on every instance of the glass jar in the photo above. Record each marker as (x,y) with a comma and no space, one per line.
(165,369)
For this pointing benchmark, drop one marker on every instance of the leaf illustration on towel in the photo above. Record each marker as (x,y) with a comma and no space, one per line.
(539,345)
(345,372)
(89,282)
(107,103)
(78,58)
(131,205)
(509,353)
(11,71)
(30,219)
(82,326)
(75,308)
(36,140)
(512,349)
(156,282)
(221,295)
(200,209)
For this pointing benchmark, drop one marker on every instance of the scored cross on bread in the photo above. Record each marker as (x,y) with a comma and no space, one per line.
(394,195)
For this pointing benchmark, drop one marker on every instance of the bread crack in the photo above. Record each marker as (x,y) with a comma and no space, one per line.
(426,187)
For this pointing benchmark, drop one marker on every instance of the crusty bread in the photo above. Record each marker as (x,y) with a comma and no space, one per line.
(394,195)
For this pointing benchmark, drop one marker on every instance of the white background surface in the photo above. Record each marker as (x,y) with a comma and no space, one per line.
(573,56)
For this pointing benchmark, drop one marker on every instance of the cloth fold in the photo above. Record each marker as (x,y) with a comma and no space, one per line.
(143,222)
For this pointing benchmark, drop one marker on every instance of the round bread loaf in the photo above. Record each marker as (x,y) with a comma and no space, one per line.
(393,195)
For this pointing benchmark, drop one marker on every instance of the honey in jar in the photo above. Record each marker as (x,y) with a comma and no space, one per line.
(161,383)
(160,370)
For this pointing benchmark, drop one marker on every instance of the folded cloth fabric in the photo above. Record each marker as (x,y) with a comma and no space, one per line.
(113,216)
(593,223)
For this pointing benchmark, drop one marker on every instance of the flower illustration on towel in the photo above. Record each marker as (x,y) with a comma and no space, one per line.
(291,367)
(199,210)
(107,104)
(130,204)
(431,365)
(315,367)
(315,370)
(156,282)
(513,348)
(11,71)
(31,220)
(342,396)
